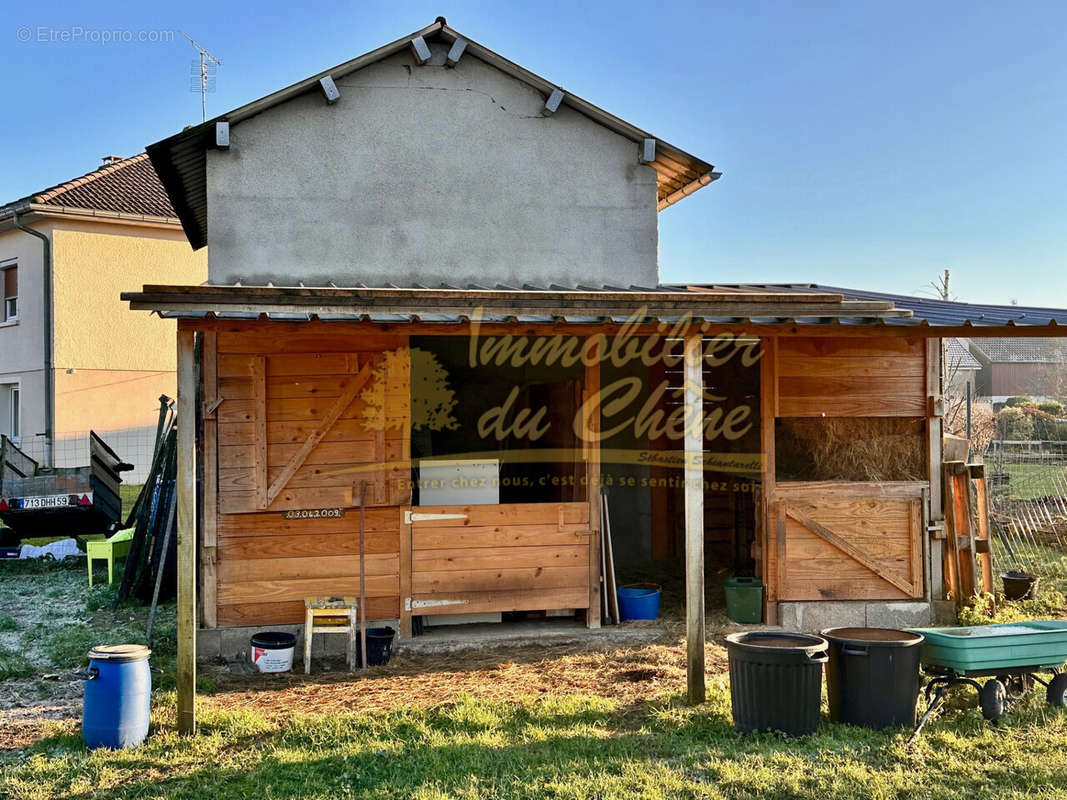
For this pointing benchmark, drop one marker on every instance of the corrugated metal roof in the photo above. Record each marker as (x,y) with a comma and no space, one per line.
(733,305)
(946,313)
(181,162)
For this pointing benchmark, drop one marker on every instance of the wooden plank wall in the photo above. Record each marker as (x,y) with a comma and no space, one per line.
(513,557)
(866,376)
(277,386)
(857,377)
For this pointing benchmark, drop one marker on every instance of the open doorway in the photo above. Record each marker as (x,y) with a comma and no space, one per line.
(647,504)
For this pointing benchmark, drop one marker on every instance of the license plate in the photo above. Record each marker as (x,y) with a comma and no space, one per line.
(51,501)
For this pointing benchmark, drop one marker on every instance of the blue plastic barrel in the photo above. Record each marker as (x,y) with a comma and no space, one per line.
(640,601)
(118,695)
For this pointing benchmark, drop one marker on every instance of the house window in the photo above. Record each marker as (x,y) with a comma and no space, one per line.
(11,294)
(14,414)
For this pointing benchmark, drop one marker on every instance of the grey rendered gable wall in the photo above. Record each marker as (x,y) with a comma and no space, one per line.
(430,175)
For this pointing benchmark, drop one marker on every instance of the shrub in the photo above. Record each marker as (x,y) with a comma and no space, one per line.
(1044,423)
(1013,423)
(1019,400)
(1053,407)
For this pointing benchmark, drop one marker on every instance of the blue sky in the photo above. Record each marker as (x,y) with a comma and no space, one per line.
(868,144)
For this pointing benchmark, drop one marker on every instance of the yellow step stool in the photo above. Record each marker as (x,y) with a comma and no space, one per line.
(330,615)
(115,546)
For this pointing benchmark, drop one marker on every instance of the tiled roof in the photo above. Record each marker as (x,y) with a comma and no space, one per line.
(129,186)
(1022,351)
(959,357)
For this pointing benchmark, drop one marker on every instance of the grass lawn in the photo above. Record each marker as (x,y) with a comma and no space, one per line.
(579,721)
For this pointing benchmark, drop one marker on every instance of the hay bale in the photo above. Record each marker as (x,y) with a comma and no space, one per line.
(850,449)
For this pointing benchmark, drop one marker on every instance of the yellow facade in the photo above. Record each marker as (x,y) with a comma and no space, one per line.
(94,264)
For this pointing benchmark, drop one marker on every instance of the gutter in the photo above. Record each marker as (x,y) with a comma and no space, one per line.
(49,365)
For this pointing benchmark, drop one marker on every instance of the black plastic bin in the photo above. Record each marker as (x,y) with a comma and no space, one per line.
(776,681)
(379,647)
(872,679)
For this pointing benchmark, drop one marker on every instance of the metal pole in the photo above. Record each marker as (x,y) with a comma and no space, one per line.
(363,574)
(968,411)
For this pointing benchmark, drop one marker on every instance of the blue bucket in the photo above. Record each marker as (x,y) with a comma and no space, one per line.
(640,601)
(118,696)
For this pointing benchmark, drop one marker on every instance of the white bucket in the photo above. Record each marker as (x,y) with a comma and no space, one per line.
(272,651)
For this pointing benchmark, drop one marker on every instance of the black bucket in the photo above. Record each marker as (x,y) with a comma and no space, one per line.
(1018,585)
(379,647)
(776,681)
(872,679)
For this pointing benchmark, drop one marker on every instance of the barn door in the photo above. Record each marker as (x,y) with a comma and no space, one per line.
(853,548)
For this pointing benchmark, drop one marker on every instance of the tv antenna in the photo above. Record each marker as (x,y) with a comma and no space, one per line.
(203,79)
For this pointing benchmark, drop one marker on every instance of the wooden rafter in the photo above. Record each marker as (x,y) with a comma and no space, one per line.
(845,546)
(319,432)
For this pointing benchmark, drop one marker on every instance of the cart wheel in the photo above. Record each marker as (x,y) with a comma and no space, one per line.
(1057,691)
(992,699)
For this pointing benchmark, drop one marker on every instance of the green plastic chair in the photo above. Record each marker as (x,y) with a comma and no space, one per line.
(115,546)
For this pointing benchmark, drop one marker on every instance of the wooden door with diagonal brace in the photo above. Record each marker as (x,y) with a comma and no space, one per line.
(849,548)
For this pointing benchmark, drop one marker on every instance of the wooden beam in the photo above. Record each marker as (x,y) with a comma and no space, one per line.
(591,451)
(845,546)
(186,499)
(985,556)
(769,532)
(209,506)
(300,456)
(694,518)
(259,420)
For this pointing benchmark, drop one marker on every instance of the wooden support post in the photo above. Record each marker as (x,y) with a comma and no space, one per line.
(769,531)
(694,517)
(591,450)
(935,567)
(981,529)
(210,488)
(186,533)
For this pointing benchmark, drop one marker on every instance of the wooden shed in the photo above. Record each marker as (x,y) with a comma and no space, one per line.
(305,394)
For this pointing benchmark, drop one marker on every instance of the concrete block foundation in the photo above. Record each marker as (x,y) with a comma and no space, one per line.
(811,617)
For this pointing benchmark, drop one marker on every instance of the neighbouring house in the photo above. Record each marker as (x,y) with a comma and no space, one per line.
(1011,367)
(433,295)
(71,357)
(961,370)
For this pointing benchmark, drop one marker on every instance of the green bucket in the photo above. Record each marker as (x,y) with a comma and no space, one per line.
(744,599)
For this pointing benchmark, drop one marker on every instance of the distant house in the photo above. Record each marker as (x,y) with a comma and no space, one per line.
(1020,366)
(961,368)
(71,357)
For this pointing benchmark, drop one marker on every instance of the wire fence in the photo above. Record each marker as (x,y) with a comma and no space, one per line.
(133,445)
(1028,507)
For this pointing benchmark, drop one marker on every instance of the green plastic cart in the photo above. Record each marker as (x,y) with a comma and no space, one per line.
(1010,656)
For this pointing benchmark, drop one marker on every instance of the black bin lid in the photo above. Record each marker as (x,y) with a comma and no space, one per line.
(865,637)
